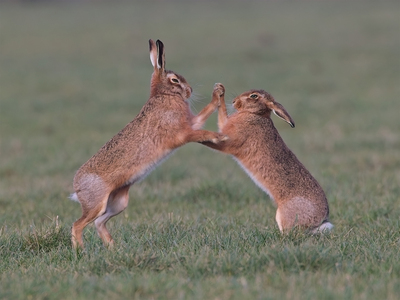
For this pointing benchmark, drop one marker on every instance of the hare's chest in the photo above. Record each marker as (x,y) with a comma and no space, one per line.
(171,119)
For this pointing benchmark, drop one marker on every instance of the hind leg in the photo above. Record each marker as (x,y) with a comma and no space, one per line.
(278,219)
(89,214)
(298,212)
(288,218)
(117,202)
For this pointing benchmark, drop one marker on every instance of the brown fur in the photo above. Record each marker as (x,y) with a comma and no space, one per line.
(257,146)
(164,123)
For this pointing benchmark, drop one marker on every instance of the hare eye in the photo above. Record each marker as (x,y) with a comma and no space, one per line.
(254,96)
(175,80)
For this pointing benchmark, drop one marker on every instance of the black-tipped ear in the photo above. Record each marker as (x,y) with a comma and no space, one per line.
(161,55)
(281,112)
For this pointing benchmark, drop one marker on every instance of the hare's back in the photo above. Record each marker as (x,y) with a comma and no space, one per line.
(132,150)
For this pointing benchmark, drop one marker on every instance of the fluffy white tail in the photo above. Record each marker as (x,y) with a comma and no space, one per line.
(325,227)
(74,197)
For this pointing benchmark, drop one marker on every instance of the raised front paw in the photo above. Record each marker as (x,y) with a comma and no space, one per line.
(219,90)
(220,138)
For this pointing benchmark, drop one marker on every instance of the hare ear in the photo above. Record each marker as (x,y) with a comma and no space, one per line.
(281,112)
(153,53)
(161,56)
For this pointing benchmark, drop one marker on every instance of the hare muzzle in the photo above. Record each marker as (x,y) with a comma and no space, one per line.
(237,103)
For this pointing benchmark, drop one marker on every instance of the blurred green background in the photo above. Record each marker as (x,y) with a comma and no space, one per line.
(72,74)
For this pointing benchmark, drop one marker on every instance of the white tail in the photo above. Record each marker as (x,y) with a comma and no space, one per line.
(74,197)
(323,228)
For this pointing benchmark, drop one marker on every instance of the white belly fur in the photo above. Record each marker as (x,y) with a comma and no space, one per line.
(147,169)
(262,187)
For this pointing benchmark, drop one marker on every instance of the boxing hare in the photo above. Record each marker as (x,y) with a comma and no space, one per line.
(164,123)
(257,146)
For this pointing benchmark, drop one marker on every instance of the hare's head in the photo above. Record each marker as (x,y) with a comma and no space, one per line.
(164,82)
(261,103)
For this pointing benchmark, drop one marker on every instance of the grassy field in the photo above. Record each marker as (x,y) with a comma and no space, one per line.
(73,75)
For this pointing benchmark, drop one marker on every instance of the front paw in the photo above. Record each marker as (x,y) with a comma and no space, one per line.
(220,138)
(219,90)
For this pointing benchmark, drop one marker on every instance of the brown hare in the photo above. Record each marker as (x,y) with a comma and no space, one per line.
(256,145)
(164,123)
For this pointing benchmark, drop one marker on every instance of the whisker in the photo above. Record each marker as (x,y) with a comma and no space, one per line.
(234,93)
(196,85)
(195,98)
(230,109)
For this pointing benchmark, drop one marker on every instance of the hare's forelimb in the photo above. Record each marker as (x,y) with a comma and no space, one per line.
(219,92)
(218,98)
(199,120)
(205,136)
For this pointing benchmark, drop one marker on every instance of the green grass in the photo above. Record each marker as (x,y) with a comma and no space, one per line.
(72,75)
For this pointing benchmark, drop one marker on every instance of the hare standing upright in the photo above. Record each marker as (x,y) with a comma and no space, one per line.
(164,123)
(258,148)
